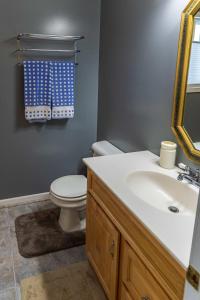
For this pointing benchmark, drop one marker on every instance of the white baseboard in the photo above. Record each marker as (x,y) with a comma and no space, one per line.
(23,200)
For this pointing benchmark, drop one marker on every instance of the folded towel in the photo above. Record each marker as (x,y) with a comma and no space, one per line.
(63,75)
(37,90)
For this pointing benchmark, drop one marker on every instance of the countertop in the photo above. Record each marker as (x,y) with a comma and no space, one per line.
(174,231)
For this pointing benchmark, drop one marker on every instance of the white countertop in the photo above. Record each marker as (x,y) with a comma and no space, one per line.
(172,230)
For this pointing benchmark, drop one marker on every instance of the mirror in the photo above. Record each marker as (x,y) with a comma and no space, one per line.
(186,110)
(191,120)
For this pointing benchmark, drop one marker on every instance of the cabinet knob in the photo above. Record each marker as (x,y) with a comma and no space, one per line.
(112,249)
(145,298)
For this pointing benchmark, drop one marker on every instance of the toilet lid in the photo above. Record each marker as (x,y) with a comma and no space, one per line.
(71,186)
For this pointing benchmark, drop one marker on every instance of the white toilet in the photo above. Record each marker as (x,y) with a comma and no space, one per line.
(70,192)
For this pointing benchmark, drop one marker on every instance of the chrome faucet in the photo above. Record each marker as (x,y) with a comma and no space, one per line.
(190,174)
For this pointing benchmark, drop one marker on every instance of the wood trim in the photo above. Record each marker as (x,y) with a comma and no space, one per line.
(170,274)
(9,202)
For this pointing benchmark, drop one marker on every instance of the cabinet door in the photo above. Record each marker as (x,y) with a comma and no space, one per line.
(137,279)
(102,242)
(124,294)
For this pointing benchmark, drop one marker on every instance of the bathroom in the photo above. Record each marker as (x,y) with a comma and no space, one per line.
(124,92)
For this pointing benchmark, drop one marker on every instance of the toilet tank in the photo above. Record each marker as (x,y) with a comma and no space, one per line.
(104,148)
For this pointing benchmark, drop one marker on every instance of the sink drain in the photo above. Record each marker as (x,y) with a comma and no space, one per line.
(173,209)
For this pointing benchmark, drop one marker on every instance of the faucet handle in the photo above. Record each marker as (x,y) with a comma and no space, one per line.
(197,174)
(183,167)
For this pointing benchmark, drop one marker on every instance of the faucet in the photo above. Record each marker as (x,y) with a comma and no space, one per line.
(190,174)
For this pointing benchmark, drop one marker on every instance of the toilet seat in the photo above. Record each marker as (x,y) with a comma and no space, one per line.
(79,204)
(69,188)
(69,191)
(65,199)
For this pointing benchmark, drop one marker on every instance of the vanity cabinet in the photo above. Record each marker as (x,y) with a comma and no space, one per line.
(129,261)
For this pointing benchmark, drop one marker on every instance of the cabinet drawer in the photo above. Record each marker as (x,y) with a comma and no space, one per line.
(137,278)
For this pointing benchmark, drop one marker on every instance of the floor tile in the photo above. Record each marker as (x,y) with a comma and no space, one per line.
(8,295)
(41,205)
(17,293)
(16,211)
(4,218)
(5,242)
(26,267)
(69,256)
(13,241)
(45,205)
(6,273)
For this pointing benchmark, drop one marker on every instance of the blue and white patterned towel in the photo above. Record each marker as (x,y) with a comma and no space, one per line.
(63,74)
(48,90)
(37,90)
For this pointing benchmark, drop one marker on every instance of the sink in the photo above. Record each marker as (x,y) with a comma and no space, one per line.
(163,192)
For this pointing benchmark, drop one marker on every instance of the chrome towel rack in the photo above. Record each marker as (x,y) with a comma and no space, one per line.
(52,37)
(48,50)
(29,36)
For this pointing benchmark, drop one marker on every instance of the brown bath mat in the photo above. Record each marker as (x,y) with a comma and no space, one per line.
(75,282)
(40,233)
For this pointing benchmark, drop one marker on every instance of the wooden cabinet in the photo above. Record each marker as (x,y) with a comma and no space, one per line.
(103,247)
(124,294)
(129,261)
(137,279)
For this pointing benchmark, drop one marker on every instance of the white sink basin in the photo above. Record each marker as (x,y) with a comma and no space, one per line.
(163,192)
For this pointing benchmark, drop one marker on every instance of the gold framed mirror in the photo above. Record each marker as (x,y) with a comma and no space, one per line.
(186,107)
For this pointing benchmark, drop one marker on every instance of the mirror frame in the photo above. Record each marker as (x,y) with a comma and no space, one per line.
(183,60)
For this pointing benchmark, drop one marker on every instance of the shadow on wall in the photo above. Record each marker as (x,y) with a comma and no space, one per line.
(19,108)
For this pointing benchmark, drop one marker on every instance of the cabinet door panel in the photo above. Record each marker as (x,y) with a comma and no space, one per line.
(137,278)
(124,294)
(102,242)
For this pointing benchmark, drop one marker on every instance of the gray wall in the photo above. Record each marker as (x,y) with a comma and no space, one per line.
(137,70)
(31,156)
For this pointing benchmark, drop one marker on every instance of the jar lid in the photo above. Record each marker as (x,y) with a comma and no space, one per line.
(168,145)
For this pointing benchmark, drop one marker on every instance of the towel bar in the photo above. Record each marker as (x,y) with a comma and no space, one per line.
(21,36)
(48,50)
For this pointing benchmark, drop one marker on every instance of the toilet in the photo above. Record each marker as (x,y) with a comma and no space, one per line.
(70,193)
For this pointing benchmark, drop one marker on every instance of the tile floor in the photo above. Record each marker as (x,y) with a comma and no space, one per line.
(14,267)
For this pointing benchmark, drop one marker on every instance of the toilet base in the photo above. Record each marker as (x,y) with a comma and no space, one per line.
(70,221)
